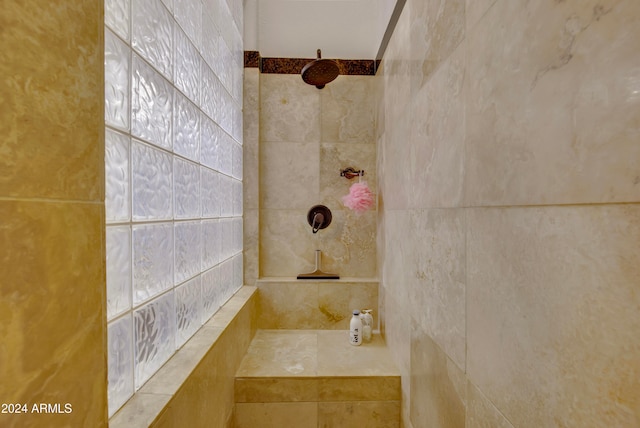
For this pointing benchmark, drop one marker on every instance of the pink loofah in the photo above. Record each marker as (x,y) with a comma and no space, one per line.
(360,198)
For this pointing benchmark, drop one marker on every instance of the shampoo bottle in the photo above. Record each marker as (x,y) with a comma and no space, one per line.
(355,329)
(367,325)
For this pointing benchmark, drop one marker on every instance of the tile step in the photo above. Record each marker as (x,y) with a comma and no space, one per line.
(315,366)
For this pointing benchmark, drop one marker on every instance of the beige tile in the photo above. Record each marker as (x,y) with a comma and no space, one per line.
(289,109)
(281,353)
(379,92)
(378,388)
(287,245)
(348,110)
(335,157)
(275,389)
(475,10)
(307,304)
(437,27)
(553,313)
(251,139)
(251,247)
(289,175)
(52,101)
(437,260)
(276,415)
(399,279)
(336,302)
(551,117)
(339,358)
(396,71)
(140,411)
(52,310)
(355,414)
(481,413)
(396,189)
(438,386)
(288,305)
(349,244)
(436,143)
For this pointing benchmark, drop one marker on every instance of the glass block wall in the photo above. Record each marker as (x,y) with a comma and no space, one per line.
(173,115)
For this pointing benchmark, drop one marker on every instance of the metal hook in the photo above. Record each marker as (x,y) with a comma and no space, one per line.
(351,173)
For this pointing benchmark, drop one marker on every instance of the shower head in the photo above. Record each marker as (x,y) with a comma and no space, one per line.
(320,71)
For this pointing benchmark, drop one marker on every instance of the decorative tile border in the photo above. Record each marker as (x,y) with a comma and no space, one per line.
(353,67)
(251,59)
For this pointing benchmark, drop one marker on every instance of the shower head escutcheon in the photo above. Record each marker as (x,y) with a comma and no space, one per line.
(320,71)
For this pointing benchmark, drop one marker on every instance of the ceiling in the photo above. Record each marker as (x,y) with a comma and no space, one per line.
(345,29)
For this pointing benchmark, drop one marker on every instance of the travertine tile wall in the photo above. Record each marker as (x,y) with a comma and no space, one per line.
(306,137)
(508,153)
(52,277)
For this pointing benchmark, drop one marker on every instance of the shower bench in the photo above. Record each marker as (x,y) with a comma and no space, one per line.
(310,376)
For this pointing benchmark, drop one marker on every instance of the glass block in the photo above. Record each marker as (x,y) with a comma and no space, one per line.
(154,336)
(210,189)
(187,67)
(236,160)
(152,260)
(118,244)
(187,250)
(226,228)
(224,20)
(117,16)
(211,98)
(224,116)
(238,273)
(169,5)
(211,243)
(117,185)
(152,34)
(236,8)
(117,60)
(151,182)
(226,279)
(186,189)
(237,235)
(210,38)
(188,310)
(212,296)
(151,105)
(186,121)
(210,140)
(226,196)
(237,116)
(188,13)
(120,362)
(211,9)
(225,66)
(237,197)
(225,154)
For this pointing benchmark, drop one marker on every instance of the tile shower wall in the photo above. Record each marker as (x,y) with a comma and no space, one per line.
(306,137)
(508,156)
(173,112)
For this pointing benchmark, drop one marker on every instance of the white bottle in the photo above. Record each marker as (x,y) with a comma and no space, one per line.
(367,325)
(355,329)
